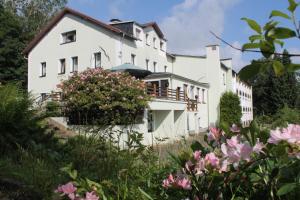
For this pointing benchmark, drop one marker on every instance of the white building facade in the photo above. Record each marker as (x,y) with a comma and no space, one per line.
(73,41)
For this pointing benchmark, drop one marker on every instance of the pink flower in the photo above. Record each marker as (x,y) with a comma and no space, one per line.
(67,189)
(246,151)
(224,166)
(168,182)
(233,141)
(91,196)
(197,155)
(212,159)
(258,147)
(235,129)
(291,134)
(184,184)
(214,134)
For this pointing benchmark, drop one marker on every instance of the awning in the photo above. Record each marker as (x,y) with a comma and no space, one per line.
(133,70)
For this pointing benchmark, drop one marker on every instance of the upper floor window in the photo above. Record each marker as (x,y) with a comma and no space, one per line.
(138,33)
(68,37)
(97,59)
(147,64)
(43,69)
(161,45)
(147,39)
(154,43)
(165,68)
(224,79)
(74,66)
(133,59)
(154,66)
(62,66)
(203,95)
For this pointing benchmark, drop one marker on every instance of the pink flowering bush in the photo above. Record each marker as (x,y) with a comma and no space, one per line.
(97,96)
(247,163)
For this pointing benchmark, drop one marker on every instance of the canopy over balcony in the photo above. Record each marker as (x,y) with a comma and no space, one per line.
(133,70)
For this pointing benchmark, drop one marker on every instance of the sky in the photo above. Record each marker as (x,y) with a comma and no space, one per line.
(187,23)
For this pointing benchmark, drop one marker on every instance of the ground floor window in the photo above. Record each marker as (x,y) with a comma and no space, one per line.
(150,121)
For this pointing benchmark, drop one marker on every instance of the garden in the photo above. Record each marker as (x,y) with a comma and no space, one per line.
(261,161)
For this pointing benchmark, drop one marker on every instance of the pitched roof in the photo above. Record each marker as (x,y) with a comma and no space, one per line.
(155,27)
(59,16)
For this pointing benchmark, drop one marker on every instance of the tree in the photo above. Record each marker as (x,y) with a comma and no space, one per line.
(267,37)
(271,92)
(12,43)
(100,97)
(230,109)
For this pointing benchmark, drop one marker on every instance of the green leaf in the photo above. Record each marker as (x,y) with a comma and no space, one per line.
(293,67)
(284,33)
(250,70)
(278,67)
(277,13)
(293,5)
(145,194)
(286,188)
(253,24)
(251,46)
(271,24)
(267,49)
(255,37)
(281,43)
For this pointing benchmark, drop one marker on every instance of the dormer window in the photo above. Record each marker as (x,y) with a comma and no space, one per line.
(154,43)
(147,39)
(161,45)
(68,37)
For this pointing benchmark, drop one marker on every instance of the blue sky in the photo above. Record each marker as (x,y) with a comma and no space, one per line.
(186,23)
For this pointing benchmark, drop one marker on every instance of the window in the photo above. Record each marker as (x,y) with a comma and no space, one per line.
(154,42)
(43,96)
(97,59)
(74,67)
(147,39)
(198,94)
(68,37)
(150,121)
(43,69)
(62,67)
(203,95)
(154,66)
(138,33)
(185,86)
(161,44)
(192,92)
(133,59)
(224,79)
(166,67)
(147,64)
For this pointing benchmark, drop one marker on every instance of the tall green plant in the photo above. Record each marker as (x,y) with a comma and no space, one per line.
(230,109)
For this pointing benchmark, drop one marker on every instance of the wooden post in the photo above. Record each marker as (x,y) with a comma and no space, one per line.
(154,89)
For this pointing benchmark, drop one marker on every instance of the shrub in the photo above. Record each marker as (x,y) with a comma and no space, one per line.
(53,109)
(230,109)
(96,96)
(20,123)
(286,116)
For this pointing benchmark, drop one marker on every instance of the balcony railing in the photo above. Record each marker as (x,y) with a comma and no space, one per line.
(174,95)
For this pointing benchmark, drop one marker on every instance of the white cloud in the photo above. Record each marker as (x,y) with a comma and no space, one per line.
(237,60)
(188,25)
(295,51)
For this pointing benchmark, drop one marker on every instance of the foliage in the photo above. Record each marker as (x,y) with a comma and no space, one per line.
(12,43)
(240,164)
(267,37)
(53,109)
(20,124)
(97,96)
(286,116)
(230,109)
(271,92)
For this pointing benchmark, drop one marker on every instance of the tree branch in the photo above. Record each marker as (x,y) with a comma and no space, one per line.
(249,50)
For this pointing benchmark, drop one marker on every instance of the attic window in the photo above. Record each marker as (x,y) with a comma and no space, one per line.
(138,33)
(68,37)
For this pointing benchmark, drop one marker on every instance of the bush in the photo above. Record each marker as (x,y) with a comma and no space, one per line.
(100,97)
(20,123)
(53,109)
(286,116)
(230,109)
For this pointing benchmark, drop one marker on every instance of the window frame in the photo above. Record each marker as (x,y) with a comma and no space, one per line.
(154,66)
(147,64)
(65,34)
(133,59)
(43,71)
(60,66)
(95,60)
(72,64)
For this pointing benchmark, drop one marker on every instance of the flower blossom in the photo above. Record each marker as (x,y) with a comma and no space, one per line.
(179,182)
(67,189)
(214,134)
(91,196)
(235,129)
(291,134)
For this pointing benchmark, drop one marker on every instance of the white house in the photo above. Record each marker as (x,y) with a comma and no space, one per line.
(73,41)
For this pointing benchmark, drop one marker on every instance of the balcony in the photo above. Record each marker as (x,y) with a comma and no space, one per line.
(172,95)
